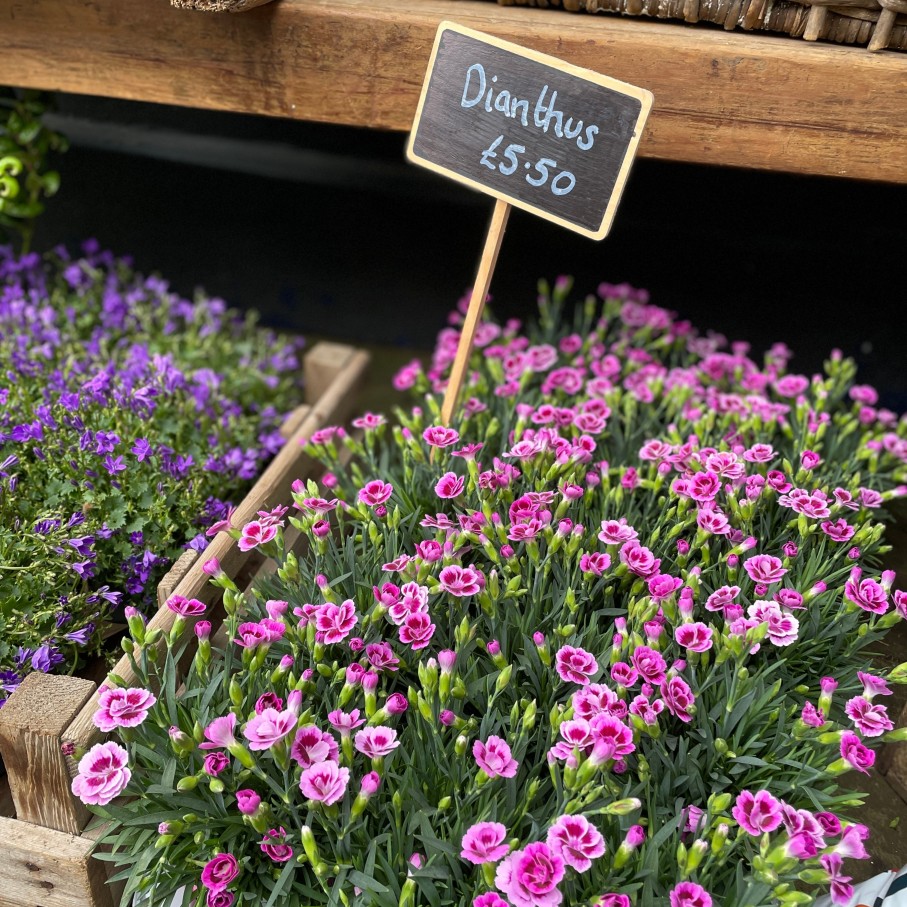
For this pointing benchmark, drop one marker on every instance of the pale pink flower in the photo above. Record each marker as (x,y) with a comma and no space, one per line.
(613,899)
(575,665)
(376,742)
(345,722)
(375,492)
(757,813)
(617,532)
(840,889)
(336,621)
(639,559)
(247,801)
(123,708)
(611,738)
(413,598)
(576,840)
(867,594)
(264,730)
(489,899)
(494,757)
(721,598)
(221,732)
(529,877)
(103,774)
(873,686)
(703,486)
(325,782)
(595,563)
(484,842)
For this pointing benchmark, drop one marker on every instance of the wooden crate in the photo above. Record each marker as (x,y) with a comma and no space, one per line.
(46,851)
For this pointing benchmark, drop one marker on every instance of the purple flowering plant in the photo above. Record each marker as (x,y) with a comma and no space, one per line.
(129,418)
(603,641)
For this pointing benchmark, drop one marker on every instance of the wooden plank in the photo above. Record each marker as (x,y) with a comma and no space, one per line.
(739,99)
(31,729)
(41,867)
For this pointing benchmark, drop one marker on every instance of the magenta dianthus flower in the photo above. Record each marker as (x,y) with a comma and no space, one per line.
(494,757)
(484,842)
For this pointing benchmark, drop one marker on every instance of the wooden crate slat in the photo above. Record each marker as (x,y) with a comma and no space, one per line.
(41,867)
(32,724)
(736,99)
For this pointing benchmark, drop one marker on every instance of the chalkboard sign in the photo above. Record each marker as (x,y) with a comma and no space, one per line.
(529,129)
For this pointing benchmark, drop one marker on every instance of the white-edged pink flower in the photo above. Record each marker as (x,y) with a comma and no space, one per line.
(576,840)
(417,630)
(764,568)
(376,742)
(484,842)
(412,599)
(494,757)
(103,774)
(616,532)
(123,708)
(461,581)
(695,637)
(325,782)
(575,665)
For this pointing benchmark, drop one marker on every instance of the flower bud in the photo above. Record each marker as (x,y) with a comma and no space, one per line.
(503,679)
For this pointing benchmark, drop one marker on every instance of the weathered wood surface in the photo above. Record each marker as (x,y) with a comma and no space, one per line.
(720,98)
(31,730)
(40,867)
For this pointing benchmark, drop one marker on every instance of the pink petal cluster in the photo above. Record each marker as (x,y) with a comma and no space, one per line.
(123,708)
(219,872)
(484,842)
(494,757)
(575,665)
(576,840)
(376,742)
(529,877)
(269,727)
(103,774)
(324,782)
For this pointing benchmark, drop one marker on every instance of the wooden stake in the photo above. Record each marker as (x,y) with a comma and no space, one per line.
(476,307)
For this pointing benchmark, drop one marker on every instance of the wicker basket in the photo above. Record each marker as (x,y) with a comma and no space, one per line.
(878,23)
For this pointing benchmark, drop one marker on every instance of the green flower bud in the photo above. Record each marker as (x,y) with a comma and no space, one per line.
(186,784)
(503,679)
(236,693)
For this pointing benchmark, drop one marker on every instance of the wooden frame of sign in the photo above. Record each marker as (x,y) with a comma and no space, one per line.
(534,131)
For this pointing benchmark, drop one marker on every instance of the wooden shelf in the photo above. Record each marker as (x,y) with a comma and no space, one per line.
(740,99)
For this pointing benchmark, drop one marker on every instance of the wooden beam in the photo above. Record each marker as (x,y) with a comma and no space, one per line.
(740,99)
